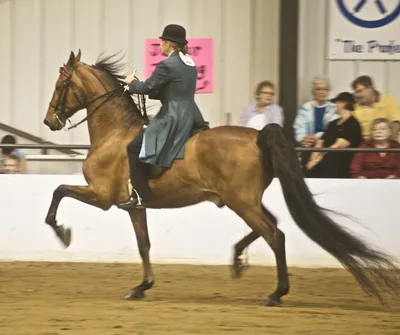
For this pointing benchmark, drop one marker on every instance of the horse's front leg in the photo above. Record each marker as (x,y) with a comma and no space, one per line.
(86,194)
(139,222)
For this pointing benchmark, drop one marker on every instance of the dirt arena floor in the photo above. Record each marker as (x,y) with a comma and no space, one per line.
(74,298)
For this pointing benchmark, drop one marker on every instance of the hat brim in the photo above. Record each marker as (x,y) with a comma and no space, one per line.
(166,38)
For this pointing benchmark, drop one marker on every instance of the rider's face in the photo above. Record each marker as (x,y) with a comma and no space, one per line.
(165,47)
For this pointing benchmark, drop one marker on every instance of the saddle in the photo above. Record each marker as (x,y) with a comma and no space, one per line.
(156,171)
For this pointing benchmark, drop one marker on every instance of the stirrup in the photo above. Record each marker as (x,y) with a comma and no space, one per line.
(139,199)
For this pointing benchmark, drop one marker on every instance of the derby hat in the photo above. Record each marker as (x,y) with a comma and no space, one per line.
(174,33)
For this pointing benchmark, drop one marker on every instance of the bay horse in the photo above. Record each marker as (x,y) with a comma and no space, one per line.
(227,165)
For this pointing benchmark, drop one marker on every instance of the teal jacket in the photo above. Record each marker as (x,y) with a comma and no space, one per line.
(173,82)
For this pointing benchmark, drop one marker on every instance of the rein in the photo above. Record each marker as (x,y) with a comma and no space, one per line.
(60,111)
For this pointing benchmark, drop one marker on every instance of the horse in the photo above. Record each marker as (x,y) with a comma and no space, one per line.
(227,165)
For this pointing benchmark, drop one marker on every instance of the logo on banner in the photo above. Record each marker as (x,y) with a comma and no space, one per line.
(386,12)
(200,51)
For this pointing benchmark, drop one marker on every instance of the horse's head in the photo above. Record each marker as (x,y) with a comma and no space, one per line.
(68,95)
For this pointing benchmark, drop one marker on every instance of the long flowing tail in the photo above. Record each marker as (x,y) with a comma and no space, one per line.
(375,271)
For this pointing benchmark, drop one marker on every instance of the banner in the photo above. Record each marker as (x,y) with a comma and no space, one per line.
(201,51)
(364,29)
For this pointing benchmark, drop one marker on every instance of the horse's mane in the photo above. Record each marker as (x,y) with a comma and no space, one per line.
(113,66)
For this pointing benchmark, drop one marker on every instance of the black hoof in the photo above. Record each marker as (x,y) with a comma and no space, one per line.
(64,235)
(137,293)
(272,302)
(238,268)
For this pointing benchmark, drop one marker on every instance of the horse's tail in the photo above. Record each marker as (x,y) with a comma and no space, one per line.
(374,271)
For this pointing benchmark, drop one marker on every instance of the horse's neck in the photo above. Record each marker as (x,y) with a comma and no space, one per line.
(115,116)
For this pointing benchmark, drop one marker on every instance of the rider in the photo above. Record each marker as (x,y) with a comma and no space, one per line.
(174,83)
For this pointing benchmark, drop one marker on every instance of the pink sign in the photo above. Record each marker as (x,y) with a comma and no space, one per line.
(201,51)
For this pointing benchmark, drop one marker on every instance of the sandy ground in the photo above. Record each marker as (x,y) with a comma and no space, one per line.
(74,298)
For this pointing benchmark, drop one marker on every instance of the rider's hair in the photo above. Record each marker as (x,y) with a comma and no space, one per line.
(180,47)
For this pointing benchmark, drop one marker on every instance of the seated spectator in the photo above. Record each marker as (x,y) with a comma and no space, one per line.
(9,139)
(313,117)
(341,133)
(377,164)
(264,111)
(371,104)
(12,164)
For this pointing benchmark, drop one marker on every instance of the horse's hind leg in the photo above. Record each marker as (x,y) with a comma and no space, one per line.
(237,265)
(277,244)
(85,194)
(264,224)
(139,222)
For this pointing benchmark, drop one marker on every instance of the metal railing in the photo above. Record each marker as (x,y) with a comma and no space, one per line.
(64,158)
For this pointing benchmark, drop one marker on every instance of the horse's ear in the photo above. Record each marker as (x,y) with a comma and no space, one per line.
(71,60)
(78,57)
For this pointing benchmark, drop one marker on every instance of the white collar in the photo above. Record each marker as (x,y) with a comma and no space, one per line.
(186,59)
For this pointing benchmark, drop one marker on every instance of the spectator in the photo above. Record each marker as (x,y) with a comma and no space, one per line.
(341,133)
(264,111)
(372,104)
(377,164)
(9,139)
(314,116)
(12,164)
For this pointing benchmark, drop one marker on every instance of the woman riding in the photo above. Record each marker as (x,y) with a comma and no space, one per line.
(173,82)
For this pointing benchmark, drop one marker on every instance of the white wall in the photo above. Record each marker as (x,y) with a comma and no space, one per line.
(313,39)
(200,234)
(36,37)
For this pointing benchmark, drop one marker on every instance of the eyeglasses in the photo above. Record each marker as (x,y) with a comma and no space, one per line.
(267,92)
(360,90)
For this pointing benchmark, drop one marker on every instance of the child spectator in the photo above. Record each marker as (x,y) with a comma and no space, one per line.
(11,164)
(9,139)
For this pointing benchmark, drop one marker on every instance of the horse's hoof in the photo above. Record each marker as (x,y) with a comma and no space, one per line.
(64,235)
(134,294)
(238,269)
(272,302)
(137,293)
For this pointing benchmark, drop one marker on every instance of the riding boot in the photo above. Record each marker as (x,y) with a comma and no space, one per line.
(139,176)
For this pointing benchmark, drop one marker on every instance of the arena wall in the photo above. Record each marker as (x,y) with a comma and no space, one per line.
(199,234)
(37,36)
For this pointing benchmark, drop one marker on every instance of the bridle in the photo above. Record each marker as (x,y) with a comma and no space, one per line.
(59,108)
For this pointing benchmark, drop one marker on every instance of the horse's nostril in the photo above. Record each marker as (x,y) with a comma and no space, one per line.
(46,122)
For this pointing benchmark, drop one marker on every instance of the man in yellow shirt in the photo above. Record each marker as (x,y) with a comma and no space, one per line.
(371,104)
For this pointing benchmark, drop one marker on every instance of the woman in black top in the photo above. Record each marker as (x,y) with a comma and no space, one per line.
(344,132)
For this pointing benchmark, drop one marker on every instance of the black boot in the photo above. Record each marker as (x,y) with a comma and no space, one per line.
(139,176)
